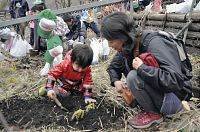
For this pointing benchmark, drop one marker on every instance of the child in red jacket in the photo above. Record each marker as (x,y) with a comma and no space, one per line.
(72,74)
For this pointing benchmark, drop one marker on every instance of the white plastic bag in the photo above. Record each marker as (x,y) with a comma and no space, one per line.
(197,8)
(104,48)
(2,57)
(19,47)
(94,44)
(183,7)
(8,44)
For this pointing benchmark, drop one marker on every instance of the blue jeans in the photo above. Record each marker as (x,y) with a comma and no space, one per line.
(149,98)
(93,26)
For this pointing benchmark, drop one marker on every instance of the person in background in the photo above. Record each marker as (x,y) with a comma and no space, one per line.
(87,16)
(39,43)
(141,5)
(40,3)
(61,28)
(36,9)
(18,8)
(77,29)
(158,83)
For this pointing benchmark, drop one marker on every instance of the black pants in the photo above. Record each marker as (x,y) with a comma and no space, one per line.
(149,98)
(31,36)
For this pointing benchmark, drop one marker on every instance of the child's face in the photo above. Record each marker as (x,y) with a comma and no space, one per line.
(69,23)
(77,67)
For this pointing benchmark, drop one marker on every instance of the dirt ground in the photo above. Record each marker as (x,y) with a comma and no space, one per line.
(25,110)
(38,112)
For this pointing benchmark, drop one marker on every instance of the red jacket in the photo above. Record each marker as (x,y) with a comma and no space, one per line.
(70,78)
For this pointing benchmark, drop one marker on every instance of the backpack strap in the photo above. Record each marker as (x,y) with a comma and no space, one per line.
(179,44)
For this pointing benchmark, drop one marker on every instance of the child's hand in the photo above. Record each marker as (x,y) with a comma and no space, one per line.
(88,101)
(51,94)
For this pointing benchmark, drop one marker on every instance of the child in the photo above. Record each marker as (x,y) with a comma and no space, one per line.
(77,29)
(36,9)
(87,16)
(72,74)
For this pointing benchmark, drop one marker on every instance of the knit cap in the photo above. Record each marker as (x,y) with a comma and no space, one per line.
(47,23)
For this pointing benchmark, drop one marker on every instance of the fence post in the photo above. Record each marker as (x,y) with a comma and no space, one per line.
(36,37)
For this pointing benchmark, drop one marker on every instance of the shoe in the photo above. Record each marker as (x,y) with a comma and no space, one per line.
(145,120)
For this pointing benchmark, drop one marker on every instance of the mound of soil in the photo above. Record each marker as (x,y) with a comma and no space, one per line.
(39,111)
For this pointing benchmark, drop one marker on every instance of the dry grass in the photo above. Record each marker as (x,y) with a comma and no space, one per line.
(25,81)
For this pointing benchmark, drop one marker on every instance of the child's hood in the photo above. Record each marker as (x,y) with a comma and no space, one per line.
(68,56)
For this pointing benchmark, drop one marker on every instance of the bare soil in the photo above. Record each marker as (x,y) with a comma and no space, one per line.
(39,111)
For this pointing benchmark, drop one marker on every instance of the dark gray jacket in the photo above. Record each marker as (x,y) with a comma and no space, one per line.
(167,78)
(21,12)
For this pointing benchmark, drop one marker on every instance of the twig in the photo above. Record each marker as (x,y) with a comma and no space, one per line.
(94,123)
(189,18)
(71,127)
(184,121)
(7,101)
(121,105)
(125,122)
(184,28)
(114,110)
(65,117)
(36,84)
(101,123)
(20,120)
(101,100)
(89,130)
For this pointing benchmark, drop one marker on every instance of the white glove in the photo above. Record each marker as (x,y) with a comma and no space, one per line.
(45,69)
(70,42)
(57,60)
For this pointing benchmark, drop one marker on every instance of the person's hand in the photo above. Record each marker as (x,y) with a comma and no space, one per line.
(120,86)
(137,62)
(90,100)
(124,91)
(51,94)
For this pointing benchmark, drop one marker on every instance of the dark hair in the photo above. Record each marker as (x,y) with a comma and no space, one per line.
(118,26)
(67,17)
(39,7)
(82,54)
(78,17)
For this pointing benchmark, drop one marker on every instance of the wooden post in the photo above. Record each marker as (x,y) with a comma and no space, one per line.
(189,19)
(36,37)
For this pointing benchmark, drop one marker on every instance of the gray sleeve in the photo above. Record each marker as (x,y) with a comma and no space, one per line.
(168,77)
